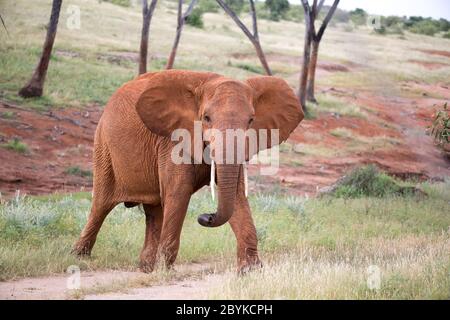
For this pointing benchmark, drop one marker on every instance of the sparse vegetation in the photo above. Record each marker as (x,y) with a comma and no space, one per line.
(440,129)
(7,115)
(311,247)
(195,19)
(368,181)
(77,171)
(16,145)
(331,243)
(248,67)
(329,103)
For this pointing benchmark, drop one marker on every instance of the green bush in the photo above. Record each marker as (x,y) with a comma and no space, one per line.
(195,19)
(368,181)
(426,27)
(446,35)
(236,5)
(208,6)
(440,129)
(123,3)
(295,13)
(248,67)
(358,16)
(77,171)
(16,145)
(277,8)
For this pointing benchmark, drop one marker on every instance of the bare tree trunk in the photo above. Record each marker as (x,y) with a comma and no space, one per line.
(262,57)
(147,14)
(181,19)
(308,74)
(180,24)
(306,56)
(312,72)
(35,86)
(254,38)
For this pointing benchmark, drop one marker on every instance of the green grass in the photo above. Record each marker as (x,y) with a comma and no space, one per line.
(86,77)
(8,115)
(248,67)
(370,182)
(16,145)
(330,103)
(326,245)
(77,171)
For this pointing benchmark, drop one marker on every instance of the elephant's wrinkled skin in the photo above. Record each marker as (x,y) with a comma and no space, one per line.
(132,148)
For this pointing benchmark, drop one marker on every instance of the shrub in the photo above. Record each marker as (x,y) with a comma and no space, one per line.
(358,16)
(295,14)
(16,145)
(446,35)
(426,27)
(235,5)
(440,128)
(277,8)
(123,3)
(370,182)
(195,19)
(249,67)
(208,6)
(7,115)
(77,171)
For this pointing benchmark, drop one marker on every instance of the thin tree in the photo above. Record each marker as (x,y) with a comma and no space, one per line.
(181,19)
(4,25)
(311,48)
(35,86)
(147,14)
(253,37)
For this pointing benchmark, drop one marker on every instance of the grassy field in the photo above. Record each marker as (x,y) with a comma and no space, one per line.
(101,55)
(312,248)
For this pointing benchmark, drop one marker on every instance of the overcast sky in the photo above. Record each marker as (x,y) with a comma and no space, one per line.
(425,8)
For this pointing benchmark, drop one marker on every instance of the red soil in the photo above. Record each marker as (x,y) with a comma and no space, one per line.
(63,138)
(437,52)
(429,65)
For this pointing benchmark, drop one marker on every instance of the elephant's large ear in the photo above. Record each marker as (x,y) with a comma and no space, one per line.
(276,107)
(171,100)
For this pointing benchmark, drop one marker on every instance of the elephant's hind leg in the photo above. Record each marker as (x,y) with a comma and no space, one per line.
(153,221)
(99,210)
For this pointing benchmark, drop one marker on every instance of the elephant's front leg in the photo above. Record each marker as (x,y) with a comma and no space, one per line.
(175,208)
(244,229)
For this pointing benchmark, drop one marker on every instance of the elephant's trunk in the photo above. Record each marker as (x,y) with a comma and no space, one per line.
(227,183)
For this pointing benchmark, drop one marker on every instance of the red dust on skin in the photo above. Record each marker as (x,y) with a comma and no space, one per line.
(64,137)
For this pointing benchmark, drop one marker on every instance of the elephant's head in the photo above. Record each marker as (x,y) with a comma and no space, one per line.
(176,99)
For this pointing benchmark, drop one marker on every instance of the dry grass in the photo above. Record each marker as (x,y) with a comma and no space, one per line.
(409,268)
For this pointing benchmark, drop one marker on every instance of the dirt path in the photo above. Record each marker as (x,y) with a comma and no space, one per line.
(122,285)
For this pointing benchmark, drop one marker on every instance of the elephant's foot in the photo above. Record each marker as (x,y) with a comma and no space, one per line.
(249,264)
(147,261)
(82,249)
(147,266)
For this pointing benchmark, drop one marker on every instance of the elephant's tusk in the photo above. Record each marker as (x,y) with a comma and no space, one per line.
(245,179)
(213,178)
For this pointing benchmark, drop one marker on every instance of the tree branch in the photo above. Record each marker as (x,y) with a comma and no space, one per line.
(319,7)
(327,20)
(236,19)
(255,24)
(4,25)
(189,9)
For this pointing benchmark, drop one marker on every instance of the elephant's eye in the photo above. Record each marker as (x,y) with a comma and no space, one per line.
(206,118)
(251,121)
